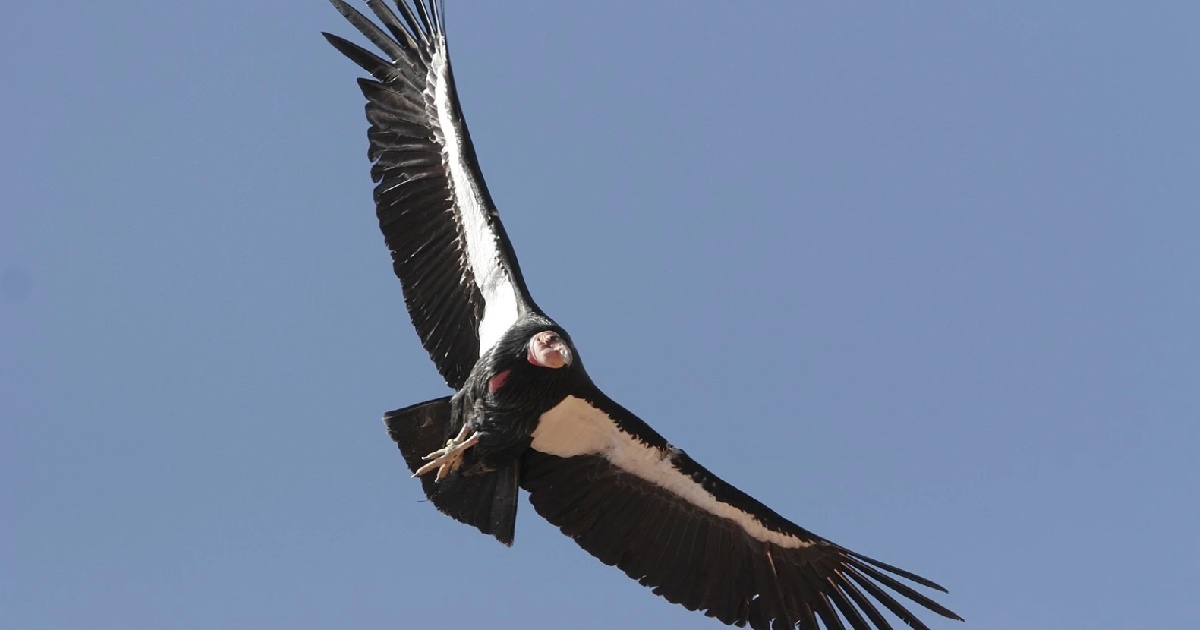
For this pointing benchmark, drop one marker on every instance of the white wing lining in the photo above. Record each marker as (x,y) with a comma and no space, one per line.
(574,427)
(483,255)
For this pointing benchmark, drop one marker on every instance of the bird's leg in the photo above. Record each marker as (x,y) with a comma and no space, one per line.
(447,459)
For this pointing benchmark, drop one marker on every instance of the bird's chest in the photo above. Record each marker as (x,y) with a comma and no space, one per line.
(506,418)
(502,421)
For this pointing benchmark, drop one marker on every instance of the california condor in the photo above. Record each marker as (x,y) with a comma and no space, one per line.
(525,413)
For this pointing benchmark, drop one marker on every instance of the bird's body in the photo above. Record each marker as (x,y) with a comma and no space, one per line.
(526,414)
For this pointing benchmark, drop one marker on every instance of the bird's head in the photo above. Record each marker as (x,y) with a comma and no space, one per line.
(547,349)
(534,354)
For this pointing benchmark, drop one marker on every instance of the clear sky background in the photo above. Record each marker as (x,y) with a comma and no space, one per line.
(924,279)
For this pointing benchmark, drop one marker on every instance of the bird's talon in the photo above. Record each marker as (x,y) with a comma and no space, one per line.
(447,459)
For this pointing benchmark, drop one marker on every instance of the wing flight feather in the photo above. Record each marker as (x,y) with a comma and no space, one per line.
(616,487)
(462,285)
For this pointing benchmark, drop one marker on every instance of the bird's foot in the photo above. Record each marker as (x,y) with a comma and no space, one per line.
(447,460)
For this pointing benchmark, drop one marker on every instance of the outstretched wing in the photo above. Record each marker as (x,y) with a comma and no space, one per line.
(460,276)
(616,487)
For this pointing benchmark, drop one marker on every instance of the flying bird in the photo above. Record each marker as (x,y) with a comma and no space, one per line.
(525,413)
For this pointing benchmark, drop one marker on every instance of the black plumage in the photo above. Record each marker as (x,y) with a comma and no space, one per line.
(525,413)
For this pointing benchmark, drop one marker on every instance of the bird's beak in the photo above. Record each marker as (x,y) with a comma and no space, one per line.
(549,351)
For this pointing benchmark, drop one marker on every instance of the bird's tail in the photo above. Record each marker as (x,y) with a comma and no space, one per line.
(485,500)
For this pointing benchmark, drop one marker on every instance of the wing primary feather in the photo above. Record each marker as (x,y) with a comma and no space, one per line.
(392,22)
(410,19)
(439,9)
(897,570)
(365,59)
(827,576)
(794,594)
(423,11)
(808,619)
(904,590)
(886,599)
(369,29)
(770,598)
(820,596)
(865,604)
(852,614)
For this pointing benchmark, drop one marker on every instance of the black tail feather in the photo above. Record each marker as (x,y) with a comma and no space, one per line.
(484,500)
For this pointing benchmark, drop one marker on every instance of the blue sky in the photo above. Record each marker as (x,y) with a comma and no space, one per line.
(924,279)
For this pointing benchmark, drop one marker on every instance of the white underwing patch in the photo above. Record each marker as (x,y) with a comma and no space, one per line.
(574,427)
(482,244)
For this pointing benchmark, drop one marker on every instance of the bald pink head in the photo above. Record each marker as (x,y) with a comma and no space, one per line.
(547,349)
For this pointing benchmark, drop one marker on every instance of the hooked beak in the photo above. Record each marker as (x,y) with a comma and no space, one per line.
(548,350)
